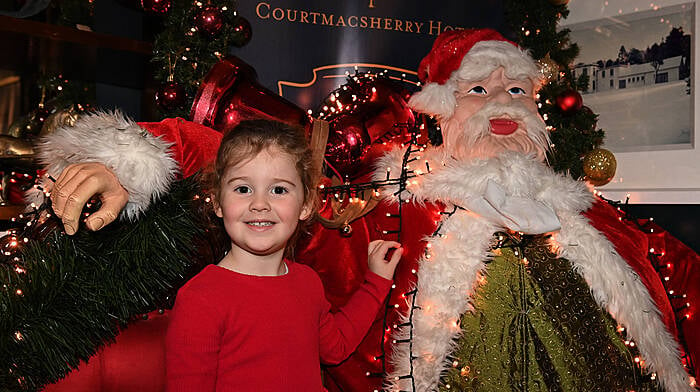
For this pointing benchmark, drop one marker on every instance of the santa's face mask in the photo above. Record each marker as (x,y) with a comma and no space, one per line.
(493,115)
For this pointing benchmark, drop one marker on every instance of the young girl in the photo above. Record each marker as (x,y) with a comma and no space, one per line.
(257,321)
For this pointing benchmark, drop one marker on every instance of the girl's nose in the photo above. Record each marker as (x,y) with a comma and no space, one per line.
(259,203)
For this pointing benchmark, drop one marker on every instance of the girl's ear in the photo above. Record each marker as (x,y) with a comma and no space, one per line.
(217,207)
(306,211)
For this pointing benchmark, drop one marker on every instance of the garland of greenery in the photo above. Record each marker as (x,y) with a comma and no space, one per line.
(63,297)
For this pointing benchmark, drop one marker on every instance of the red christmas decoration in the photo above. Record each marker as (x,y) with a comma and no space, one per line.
(570,101)
(231,93)
(362,115)
(209,21)
(156,6)
(170,96)
(242,32)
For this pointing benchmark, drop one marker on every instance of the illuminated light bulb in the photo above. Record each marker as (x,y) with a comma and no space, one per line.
(224,8)
(18,335)
(636,359)
(651,250)
(367,374)
(393,286)
(671,292)
(18,292)
(413,271)
(631,344)
(666,279)
(396,306)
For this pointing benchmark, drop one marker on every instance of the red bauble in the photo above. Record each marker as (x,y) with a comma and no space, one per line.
(209,21)
(570,101)
(156,6)
(170,96)
(242,32)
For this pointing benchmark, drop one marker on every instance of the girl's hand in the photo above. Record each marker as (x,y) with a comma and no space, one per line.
(376,254)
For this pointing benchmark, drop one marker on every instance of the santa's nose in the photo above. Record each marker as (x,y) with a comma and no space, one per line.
(502,126)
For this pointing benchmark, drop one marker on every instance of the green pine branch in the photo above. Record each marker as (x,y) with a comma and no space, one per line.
(76,292)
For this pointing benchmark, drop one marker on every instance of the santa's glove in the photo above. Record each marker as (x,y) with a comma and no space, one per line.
(521,214)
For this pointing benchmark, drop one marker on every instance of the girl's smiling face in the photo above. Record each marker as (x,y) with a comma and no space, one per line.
(261,203)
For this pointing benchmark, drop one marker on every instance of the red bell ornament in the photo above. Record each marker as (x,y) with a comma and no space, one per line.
(230,93)
(569,101)
(209,21)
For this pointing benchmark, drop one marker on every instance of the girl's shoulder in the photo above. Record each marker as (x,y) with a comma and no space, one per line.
(305,275)
(209,280)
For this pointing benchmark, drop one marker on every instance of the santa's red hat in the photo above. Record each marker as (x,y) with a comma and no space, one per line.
(466,55)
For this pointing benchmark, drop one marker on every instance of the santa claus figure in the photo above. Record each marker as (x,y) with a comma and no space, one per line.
(513,277)
(505,284)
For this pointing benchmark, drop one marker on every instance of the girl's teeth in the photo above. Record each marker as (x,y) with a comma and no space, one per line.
(260,223)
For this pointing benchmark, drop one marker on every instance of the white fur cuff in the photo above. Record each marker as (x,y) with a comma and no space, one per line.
(140,161)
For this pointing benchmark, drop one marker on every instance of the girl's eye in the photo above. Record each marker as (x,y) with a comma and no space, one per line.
(279,190)
(243,189)
(516,91)
(477,90)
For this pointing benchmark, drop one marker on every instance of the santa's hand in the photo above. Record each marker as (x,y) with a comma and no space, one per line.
(521,214)
(376,254)
(80,182)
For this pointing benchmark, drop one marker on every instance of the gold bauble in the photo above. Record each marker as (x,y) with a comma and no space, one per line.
(599,165)
(549,69)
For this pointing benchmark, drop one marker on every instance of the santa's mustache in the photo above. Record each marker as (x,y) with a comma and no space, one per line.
(478,125)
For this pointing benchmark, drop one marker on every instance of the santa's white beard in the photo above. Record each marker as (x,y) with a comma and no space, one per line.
(473,139)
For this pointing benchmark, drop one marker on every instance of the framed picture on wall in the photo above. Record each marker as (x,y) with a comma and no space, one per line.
(640,60)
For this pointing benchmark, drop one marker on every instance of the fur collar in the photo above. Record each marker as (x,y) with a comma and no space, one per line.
(454,182)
